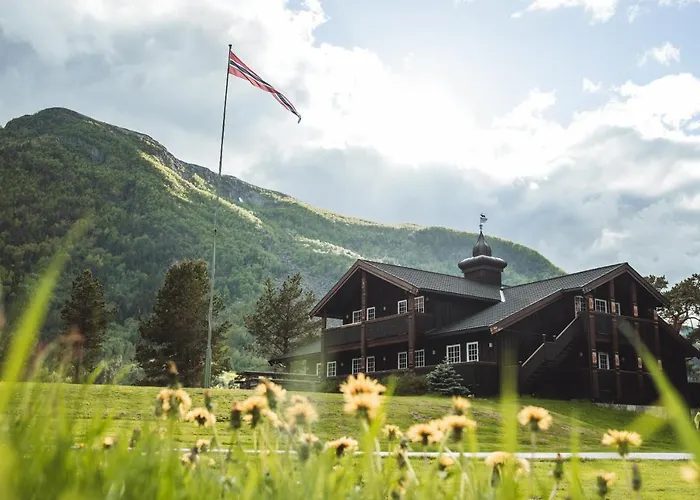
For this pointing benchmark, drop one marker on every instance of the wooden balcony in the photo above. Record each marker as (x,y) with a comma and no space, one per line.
(388,327)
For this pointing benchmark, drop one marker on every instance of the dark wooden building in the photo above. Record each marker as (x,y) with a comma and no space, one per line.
(566,335)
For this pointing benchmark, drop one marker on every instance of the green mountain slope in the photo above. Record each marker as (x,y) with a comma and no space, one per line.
(151,209)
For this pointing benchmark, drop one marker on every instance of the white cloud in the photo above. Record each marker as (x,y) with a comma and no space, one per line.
(663,54)
(600,10)
(590,87)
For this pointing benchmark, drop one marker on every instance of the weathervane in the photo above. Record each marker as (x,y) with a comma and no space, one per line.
(482,219)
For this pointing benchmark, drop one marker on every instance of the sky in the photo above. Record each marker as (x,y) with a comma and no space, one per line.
(573,124)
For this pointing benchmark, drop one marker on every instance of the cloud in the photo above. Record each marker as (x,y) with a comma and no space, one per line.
(600,10)
(663,54)
(616,181)
(590,87)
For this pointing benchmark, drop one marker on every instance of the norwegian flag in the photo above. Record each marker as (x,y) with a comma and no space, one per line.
(236,67)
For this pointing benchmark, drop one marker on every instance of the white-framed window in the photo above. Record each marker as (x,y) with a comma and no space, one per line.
(318,369)
(371,313)
(419,357)
(454,354)
(579,304)
(603,361)
(330,369)
(403,306)
(356,365)
(370,364)
(601,305)
(357,316)
(419,304)
(617,310)
(472,351)
(403,360)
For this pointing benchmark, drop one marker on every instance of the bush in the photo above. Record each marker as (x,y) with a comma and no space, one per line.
(445,380)
(329,385)
(408,384)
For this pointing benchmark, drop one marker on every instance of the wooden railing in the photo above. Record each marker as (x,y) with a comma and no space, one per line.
(379,328)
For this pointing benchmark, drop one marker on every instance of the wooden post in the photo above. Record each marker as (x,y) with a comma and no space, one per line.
(657,339)
(411,331)
(363,325)
(324,323)
(593,352)
(616,344)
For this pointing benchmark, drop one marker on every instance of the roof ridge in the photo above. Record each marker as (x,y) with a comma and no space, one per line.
(371,262)
(611,266)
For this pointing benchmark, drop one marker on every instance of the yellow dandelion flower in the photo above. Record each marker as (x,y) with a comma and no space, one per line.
(201,416)
(189,459)
(253,407)
(211,462)
(342,445)
(360,385)
(454,425)
(622,440)
(108,442)
(309,438)
(424,434)
(460,405)
(497,459)
(445,461)
(501,459)
(537,418)
(691,473)
(273,393)
(163,402)
(298,399)
(392,432)
(202,445)
(364,405)
(237,411)
(301,414)
(605,481)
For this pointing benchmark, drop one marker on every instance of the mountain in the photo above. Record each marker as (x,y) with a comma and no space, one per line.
(151,209)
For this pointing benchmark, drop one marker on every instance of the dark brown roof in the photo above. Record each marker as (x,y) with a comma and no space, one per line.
(313,347)
(430,281)
(520,297)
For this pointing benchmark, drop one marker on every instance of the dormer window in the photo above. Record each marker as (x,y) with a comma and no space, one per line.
(403,306)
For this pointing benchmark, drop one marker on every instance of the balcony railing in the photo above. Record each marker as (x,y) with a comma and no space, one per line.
(387,327)
(346,334)
(380,328)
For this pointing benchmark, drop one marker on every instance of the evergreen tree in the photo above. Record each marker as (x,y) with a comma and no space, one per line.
(178,326)
(280,322)
(86,313)
(445,380)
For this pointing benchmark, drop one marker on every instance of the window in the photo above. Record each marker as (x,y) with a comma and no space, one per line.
(370,313)
(601,305)
(579,304)
(330,369)
(617,310)
(603,361)
(454,354)
(472,351)
(302,366)
(357,316)
(403,360)
(318,369)
(403,306)
(356,365)
(420,358)
(370,364)
(419,304)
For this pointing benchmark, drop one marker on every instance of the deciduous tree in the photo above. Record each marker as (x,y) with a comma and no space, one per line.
(177,328)
(280,322)
(683,297)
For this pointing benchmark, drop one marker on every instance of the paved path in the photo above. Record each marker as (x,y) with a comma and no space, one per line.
(542,456)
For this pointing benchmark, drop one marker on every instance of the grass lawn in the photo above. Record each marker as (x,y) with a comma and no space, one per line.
(131,407)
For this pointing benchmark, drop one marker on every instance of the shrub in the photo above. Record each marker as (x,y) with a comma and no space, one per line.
(409,384)
(445,380)
(328,385)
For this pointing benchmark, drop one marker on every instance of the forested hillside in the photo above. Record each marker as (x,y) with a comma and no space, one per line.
(150,209)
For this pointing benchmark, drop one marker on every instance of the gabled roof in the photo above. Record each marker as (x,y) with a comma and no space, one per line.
(520,298)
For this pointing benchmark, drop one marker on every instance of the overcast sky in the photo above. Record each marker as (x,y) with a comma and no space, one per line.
(573,124)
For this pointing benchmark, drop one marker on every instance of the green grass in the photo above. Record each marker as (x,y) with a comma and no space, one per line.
(132,407)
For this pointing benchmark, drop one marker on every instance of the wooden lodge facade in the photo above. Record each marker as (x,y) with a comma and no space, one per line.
(567,336)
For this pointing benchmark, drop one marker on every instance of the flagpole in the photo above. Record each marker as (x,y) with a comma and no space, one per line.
(207,361)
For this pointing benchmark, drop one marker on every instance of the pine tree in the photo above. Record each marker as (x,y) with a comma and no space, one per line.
(445,380)
(177,328)
(86,314)
(280,322)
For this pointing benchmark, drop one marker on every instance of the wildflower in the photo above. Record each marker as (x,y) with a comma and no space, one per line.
(236,413)
(500,459)
(306,443)
(189,459)
(392,432)
(636,477)
(360,385)
(272,392)
(163,402)
(605,480)
(201,416)
(211,462)
(445,461)
(455,425)
(558,471)
(342,445)
(108,442)
(253,407)
(301,414)
(172,402)
(298,399)
(424,433)
(208,403)
(398,492)
(538,418)
(401,459)
(691,473)
(202,445)
(460,405)
(365,405)
(622,440)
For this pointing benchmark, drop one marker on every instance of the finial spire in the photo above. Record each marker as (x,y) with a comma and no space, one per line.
(482,219)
